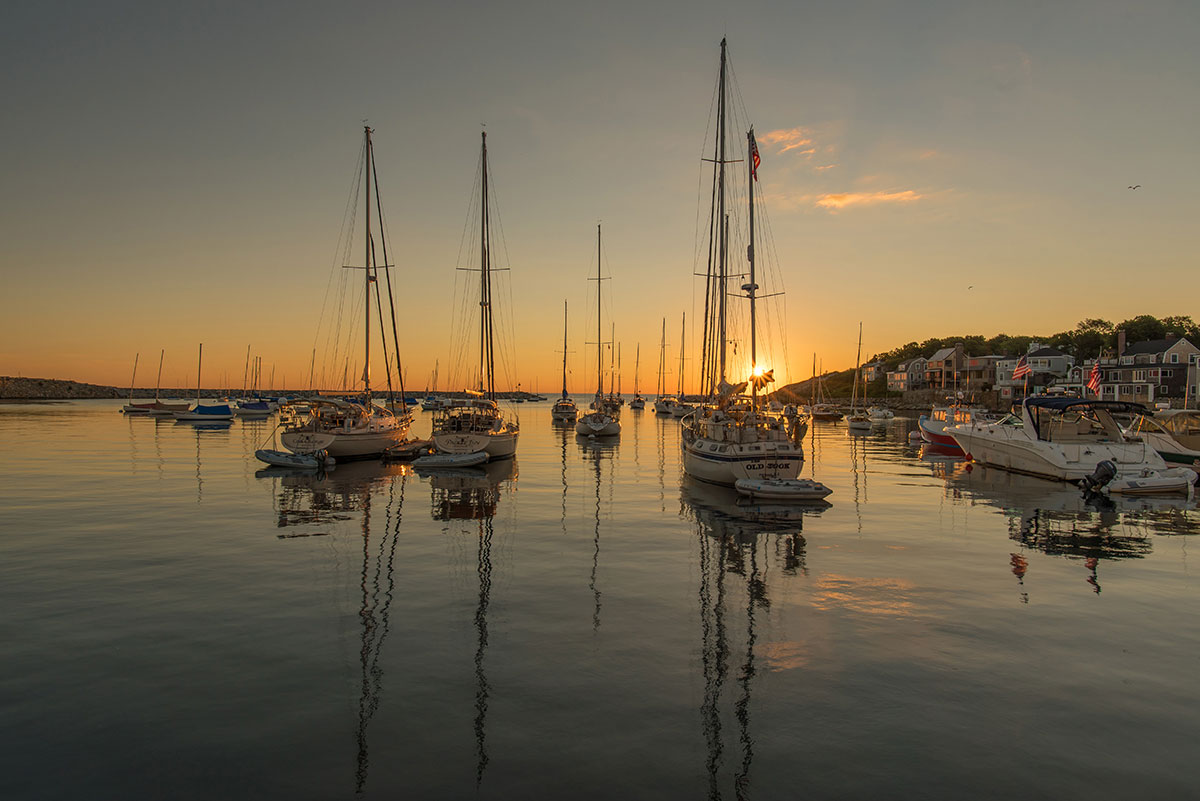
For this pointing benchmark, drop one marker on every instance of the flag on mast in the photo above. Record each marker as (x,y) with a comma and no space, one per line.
(1094,378)
(1022,368)
(754,156)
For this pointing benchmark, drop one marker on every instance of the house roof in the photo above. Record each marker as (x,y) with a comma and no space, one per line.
(942,355)
(1153,346)
(1047,352)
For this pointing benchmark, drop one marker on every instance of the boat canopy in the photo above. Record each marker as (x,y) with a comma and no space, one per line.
(1062,404)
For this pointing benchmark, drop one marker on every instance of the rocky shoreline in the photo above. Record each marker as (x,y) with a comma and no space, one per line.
(55,389)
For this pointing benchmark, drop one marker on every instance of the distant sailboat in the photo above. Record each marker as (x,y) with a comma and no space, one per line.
(679,407)
(858,419)
(564,409)
(638,401)
(603,418)
(664,402)
(200,413)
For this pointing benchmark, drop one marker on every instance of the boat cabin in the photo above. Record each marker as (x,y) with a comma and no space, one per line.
(1068,419)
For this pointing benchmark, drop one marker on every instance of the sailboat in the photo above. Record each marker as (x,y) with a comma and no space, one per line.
(355,429)
(680,407)
(857,419)
(564,409)
(638,401)
(159,408)
(664,402)
(475,424)
(201,413)
(604,416)
(819,408)
(734,437)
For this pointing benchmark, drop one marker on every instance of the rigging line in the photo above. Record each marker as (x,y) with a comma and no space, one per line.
(382,334)
(349,215)
(391,297)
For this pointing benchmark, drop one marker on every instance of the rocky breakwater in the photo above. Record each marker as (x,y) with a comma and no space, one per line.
(53,389)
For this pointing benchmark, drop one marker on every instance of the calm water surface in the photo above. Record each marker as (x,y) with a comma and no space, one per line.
(582,623)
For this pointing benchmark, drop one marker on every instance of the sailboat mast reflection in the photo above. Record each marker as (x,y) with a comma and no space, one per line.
(473,494)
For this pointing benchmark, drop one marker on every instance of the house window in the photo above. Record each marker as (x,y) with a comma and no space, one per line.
(1174,358)
(1139,375)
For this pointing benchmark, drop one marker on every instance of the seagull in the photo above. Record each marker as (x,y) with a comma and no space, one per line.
(1134,187)
(972,286)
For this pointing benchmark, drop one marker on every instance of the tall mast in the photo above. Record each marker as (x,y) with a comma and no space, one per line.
(133,378)
(637,363)
(487,381)
(158,381)
(721,217)
(246,372)
(682,342)
(367,271)
(662,361)
(199,360)
(857,370)
(599,335)
(752,287)
(564,349)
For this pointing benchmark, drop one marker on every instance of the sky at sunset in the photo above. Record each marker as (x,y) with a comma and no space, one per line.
(177,173)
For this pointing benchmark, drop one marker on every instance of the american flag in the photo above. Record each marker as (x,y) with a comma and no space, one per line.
(1094,379)
(1022,368)
(754,156)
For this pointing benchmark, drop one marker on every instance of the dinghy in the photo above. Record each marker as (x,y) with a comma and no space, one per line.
(311,461)
(438,460)
(783,489)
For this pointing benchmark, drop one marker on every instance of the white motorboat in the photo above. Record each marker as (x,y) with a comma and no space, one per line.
(1067,439)
(1174,433)
(878,413)
(783,489)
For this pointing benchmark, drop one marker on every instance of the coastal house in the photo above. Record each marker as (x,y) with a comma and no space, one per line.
(1047,366)
(944,365)
(1146,372)
(979,372)
(908,375)
(874,371)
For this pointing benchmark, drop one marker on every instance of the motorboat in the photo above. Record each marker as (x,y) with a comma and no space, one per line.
(1174,433)
(933,425)
(880,413)
(1071,439)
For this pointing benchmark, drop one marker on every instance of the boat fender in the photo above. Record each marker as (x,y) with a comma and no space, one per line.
(1105,472)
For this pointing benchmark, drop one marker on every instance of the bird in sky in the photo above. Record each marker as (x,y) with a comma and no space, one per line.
(1139,186)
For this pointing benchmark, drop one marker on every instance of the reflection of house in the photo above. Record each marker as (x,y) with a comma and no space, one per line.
(1046,365)
(907,375)
(1148,371)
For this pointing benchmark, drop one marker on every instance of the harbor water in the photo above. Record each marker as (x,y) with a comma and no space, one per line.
(582,622)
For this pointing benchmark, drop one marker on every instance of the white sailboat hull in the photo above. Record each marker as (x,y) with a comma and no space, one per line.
(774,460)
(343,445)
(497,445)
(597,425)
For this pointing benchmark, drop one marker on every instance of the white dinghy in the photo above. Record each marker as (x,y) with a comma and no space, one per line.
(310,461)
(449,460)
(783,489)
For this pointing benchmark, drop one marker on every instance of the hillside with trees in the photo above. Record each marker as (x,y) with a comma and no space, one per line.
(1085,341)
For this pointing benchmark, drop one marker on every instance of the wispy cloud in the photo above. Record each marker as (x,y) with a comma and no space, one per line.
(842,200)
(790,139)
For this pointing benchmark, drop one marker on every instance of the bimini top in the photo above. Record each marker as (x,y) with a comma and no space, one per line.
(1062,404)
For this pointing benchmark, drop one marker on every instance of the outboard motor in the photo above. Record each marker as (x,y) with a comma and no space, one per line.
(1105,472)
